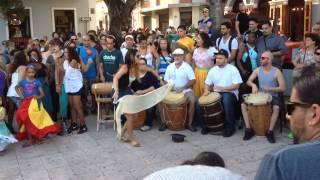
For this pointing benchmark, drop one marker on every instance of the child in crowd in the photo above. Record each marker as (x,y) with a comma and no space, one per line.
(33,120)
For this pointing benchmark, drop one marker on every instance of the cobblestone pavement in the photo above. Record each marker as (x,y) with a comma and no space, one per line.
(99,155)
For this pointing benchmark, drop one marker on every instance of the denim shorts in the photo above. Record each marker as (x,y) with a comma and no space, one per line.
(15,100)
(78,93)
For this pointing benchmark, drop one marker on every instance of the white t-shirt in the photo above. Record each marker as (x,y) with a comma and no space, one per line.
(225,45)
(226,76)
(124,52)
(180,76)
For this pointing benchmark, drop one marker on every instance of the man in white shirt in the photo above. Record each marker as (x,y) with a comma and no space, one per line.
(225,79)
(228,42)
(183,78)
(128,44)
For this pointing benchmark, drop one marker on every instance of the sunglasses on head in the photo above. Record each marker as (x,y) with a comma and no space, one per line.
(291,106)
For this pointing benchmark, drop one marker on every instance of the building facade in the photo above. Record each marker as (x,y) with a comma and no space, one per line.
(294,18)
(46,16)
(164,13)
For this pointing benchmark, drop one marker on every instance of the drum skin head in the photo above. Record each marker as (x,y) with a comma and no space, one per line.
(174,98)
(258,99)
(211,98)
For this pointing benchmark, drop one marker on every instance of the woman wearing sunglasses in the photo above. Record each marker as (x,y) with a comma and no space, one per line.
(299,161)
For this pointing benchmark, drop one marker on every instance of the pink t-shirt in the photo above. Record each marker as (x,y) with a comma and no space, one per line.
(203,59)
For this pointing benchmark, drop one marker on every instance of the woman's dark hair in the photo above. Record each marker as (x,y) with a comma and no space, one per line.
(73,54)
(130,57)
(142,38)
(314,37)
(307,85)
(36,51)
(206,40)
(19,59)
(168,46)
(206,158)
(136,36)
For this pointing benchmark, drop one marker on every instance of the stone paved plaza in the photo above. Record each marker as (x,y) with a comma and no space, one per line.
(99,155)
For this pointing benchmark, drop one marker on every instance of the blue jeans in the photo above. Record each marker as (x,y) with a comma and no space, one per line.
(150,116)
(229,101)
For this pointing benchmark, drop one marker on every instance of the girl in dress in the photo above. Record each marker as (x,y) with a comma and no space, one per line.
(33,121)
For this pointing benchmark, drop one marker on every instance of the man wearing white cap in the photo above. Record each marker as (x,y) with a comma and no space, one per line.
(183,79)
(128,44)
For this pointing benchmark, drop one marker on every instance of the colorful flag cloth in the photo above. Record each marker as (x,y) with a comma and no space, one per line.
(33,119)
(6,137)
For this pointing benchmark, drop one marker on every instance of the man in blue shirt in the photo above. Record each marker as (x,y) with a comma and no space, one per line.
(300,161)
(272,42)
(90,77)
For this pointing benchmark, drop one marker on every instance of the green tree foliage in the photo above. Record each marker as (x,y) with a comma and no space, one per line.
(8,7)
(120,14)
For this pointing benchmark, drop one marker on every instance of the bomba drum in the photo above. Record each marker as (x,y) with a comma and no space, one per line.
(101,88)
(212,111)
(174,111)
(259,112)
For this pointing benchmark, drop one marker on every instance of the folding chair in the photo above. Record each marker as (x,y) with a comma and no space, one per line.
(102,93)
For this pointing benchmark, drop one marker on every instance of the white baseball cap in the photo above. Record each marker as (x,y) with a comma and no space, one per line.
(178,51)
(129,36)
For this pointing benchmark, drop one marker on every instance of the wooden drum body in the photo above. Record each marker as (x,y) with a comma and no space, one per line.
(212,111)
(259,112)
(174,111)
(101,88)
(138,119)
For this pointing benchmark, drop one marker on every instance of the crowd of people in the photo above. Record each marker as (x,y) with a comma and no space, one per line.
(141,61)
(58,73)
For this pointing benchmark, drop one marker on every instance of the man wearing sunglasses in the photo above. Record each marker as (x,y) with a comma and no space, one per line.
(271,81)
(317,56)
(299,161)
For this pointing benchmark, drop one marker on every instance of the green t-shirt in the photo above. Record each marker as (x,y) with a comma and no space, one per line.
(111,63)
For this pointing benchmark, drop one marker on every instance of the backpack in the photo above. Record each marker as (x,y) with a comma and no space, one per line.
(229,44)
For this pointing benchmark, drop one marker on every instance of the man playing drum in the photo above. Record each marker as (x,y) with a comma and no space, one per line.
(271,81)
(183,79)
(225,79)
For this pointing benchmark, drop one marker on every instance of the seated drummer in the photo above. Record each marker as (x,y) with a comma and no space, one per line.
(183,78)
(225,79)
(271,81)
(146,82)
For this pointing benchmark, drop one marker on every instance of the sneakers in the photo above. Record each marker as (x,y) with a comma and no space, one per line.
(248,134)
(83,129)
(162,127)
(73,127)
(145,128)
(270,137)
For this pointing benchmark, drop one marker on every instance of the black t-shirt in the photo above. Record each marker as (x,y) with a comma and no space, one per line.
(243,18)
(145,82)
